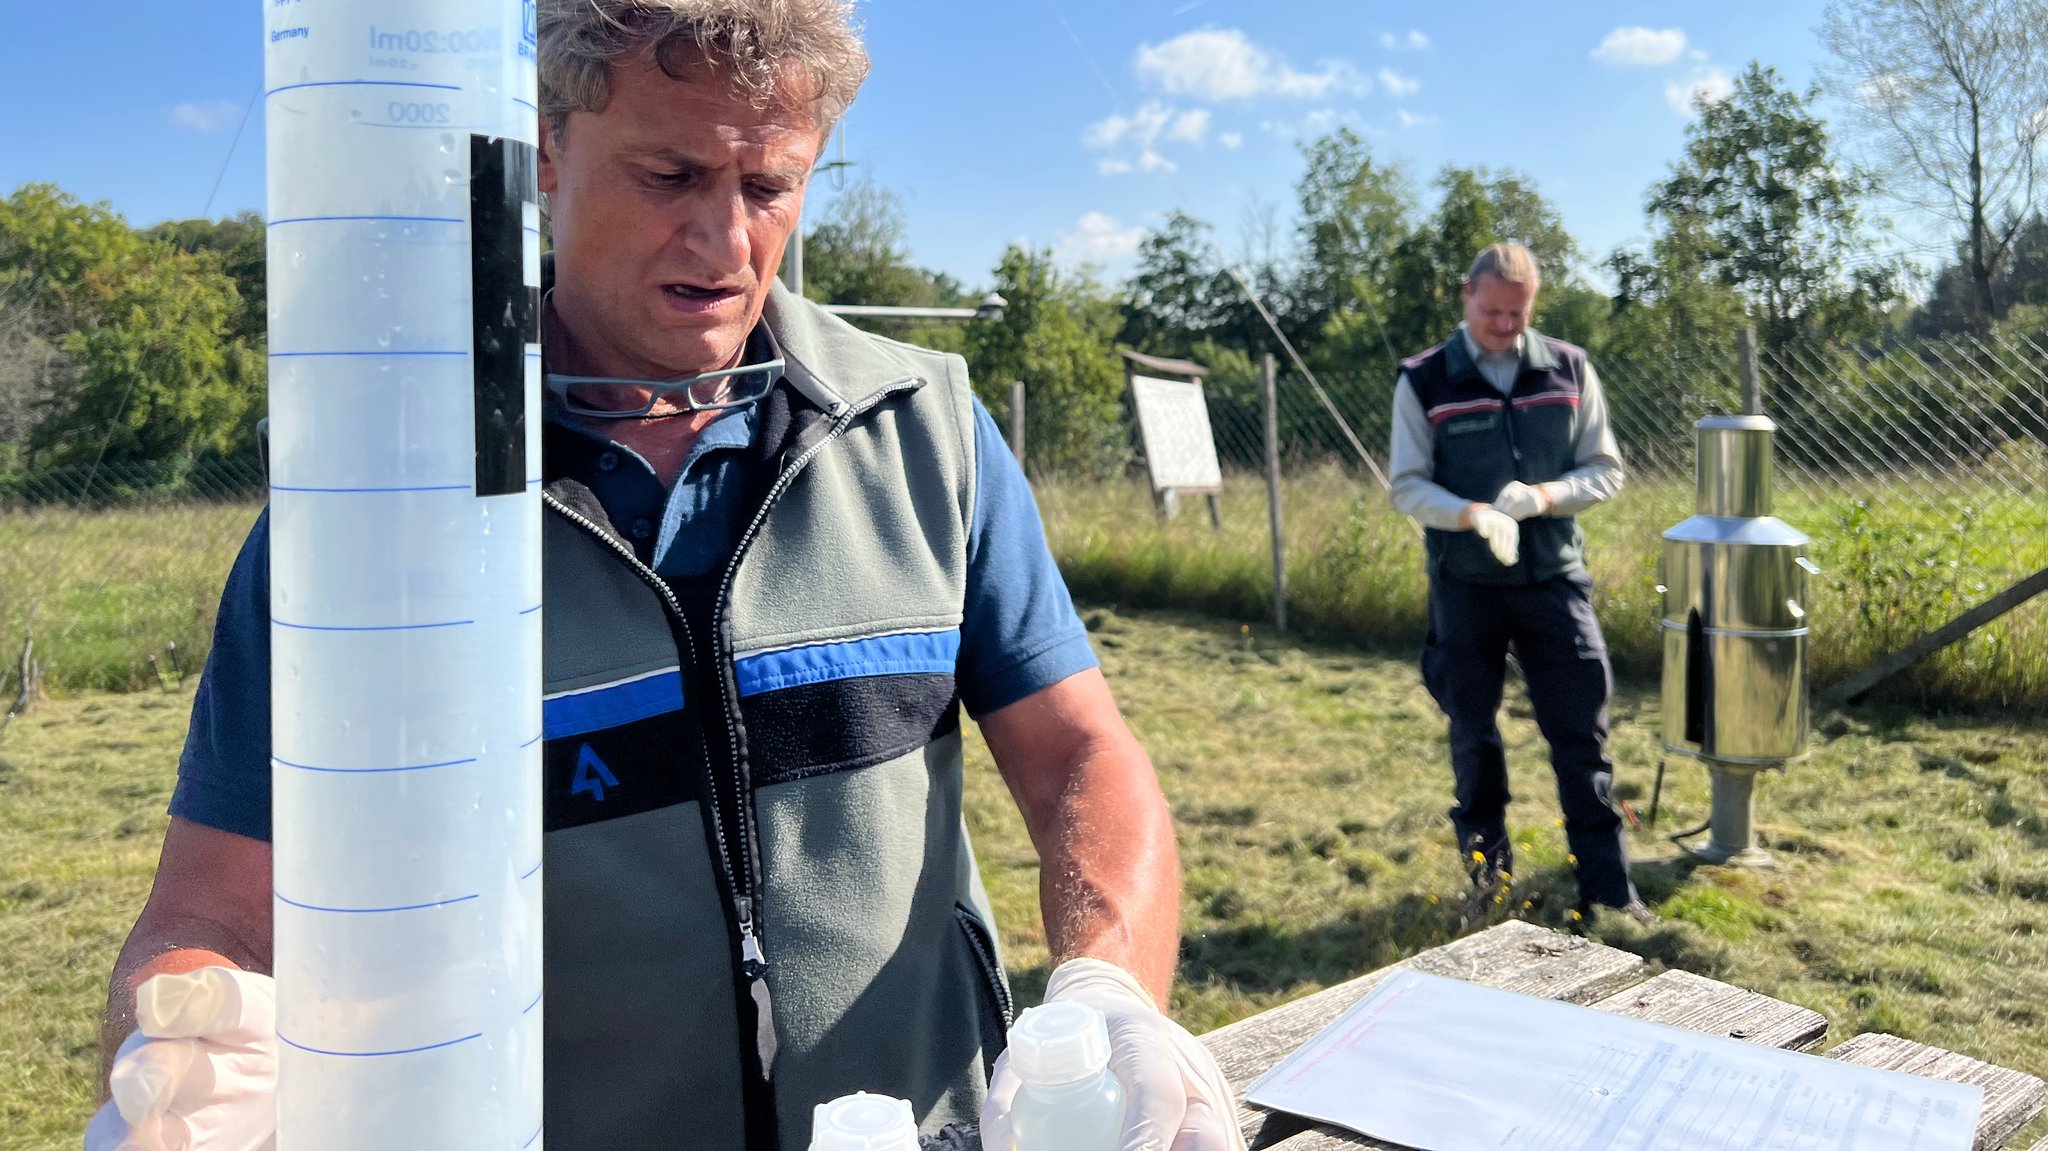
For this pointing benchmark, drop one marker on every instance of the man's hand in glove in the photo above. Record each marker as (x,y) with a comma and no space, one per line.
(1176,1097)
(200,1072)
(1501,533)
(1520,501)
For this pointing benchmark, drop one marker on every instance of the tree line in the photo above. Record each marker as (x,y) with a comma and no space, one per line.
(127,345)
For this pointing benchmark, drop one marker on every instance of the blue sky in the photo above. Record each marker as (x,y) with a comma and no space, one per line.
(1058,122)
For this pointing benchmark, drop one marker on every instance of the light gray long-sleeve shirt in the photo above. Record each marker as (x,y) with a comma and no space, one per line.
(1597,476)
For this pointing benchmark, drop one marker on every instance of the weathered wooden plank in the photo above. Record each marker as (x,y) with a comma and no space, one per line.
(1513,956)
(1696,1003)
(2012,1099)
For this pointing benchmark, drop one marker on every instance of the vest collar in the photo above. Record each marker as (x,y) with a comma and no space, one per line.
(813,340)
(1536,354)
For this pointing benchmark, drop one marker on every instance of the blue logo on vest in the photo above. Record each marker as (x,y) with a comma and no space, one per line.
(591,775)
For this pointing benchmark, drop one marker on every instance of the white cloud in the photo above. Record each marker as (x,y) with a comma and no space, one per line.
(1412,119)
(206,115)
(1414,41)
(1397,84)
(1231,140)
(1142,127)
(1712,83)
(1223,64)
(1639,47)
(1191,125)
(1136,137)
(1097,238)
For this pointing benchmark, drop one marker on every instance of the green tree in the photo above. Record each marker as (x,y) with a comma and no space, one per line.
(859,254)
(1476,208)
(1179,295)
(61,253)
(1057,335)
(160,376)
(239,239)
(1761,204)
(1355,213)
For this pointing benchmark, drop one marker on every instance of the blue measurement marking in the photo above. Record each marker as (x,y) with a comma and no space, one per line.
(529,873)
(534,740)
(369,770)
(334,219)
(380,352)
(363,84)
(530,231)
(362,491)
(289,1042)
(373,910)
(530,1139)
(532,1005)
(531,610)
(525,103)
(385,627)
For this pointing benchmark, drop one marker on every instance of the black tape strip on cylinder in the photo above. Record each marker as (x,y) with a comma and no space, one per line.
(503,178)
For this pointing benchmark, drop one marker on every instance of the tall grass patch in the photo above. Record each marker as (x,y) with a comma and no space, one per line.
(1893,566)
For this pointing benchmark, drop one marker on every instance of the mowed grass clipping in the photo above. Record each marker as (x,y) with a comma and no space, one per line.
(1309,784)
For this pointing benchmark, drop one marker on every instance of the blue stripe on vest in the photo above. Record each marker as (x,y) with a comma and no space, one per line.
(908,653)
(612,704)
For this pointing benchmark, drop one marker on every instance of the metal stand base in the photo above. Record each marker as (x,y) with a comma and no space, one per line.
(1733,835)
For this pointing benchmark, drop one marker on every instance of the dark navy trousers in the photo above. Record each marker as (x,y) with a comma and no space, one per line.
(1564,660)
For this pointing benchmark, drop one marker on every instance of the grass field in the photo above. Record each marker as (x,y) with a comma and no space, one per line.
(1309,783)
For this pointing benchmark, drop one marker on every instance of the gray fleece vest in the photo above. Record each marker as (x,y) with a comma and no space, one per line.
(1483,439)
(759,890)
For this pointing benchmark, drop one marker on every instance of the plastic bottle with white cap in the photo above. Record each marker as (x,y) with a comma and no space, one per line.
(863,1122)
(1067,1099)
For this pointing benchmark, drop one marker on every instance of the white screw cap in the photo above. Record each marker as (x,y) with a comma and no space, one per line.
(1059,1043)
(863,1122)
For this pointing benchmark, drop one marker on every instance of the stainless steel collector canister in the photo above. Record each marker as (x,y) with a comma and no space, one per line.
(1734,584)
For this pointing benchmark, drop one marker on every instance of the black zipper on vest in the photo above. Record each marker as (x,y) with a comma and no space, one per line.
(753,995)
(740,851)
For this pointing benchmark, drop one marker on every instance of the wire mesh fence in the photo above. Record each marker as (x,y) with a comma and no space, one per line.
(1920,469)
(116,570)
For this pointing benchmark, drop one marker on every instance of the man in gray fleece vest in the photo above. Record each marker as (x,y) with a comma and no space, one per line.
(780,557)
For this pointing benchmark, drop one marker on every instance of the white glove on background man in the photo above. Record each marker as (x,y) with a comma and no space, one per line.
(200,1072)
(1176,1098)
(1520,501)
(1501,533)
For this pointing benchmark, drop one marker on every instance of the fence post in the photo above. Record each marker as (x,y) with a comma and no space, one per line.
(1017,420)
(1752,387)
(1270,372)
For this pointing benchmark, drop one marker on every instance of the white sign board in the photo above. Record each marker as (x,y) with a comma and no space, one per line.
(1173,423)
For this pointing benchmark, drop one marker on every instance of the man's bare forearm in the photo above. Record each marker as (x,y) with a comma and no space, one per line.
(165,947)
(1109,873)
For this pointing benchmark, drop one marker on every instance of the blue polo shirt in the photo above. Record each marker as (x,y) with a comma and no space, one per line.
(1019,634)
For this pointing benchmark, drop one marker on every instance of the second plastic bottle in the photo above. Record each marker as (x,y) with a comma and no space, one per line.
(1068,1100)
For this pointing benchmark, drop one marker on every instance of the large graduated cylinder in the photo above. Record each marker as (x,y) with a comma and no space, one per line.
(405,572)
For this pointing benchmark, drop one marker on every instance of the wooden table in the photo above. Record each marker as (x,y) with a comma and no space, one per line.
(1522,957)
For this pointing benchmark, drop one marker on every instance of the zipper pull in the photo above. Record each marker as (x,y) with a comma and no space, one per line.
(754,963)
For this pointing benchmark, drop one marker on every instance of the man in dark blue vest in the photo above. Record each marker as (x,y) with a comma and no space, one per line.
(1500,439)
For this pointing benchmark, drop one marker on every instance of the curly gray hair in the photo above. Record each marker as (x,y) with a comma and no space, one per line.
(754,43)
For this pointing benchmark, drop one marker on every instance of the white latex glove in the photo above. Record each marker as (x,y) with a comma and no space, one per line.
(1520,501)
(1176,1098)
(200,1072)
(1501,533)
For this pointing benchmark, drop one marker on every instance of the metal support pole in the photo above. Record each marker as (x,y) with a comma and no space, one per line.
(1017,420)
(793,262)
(1752,387)
(1270,371)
